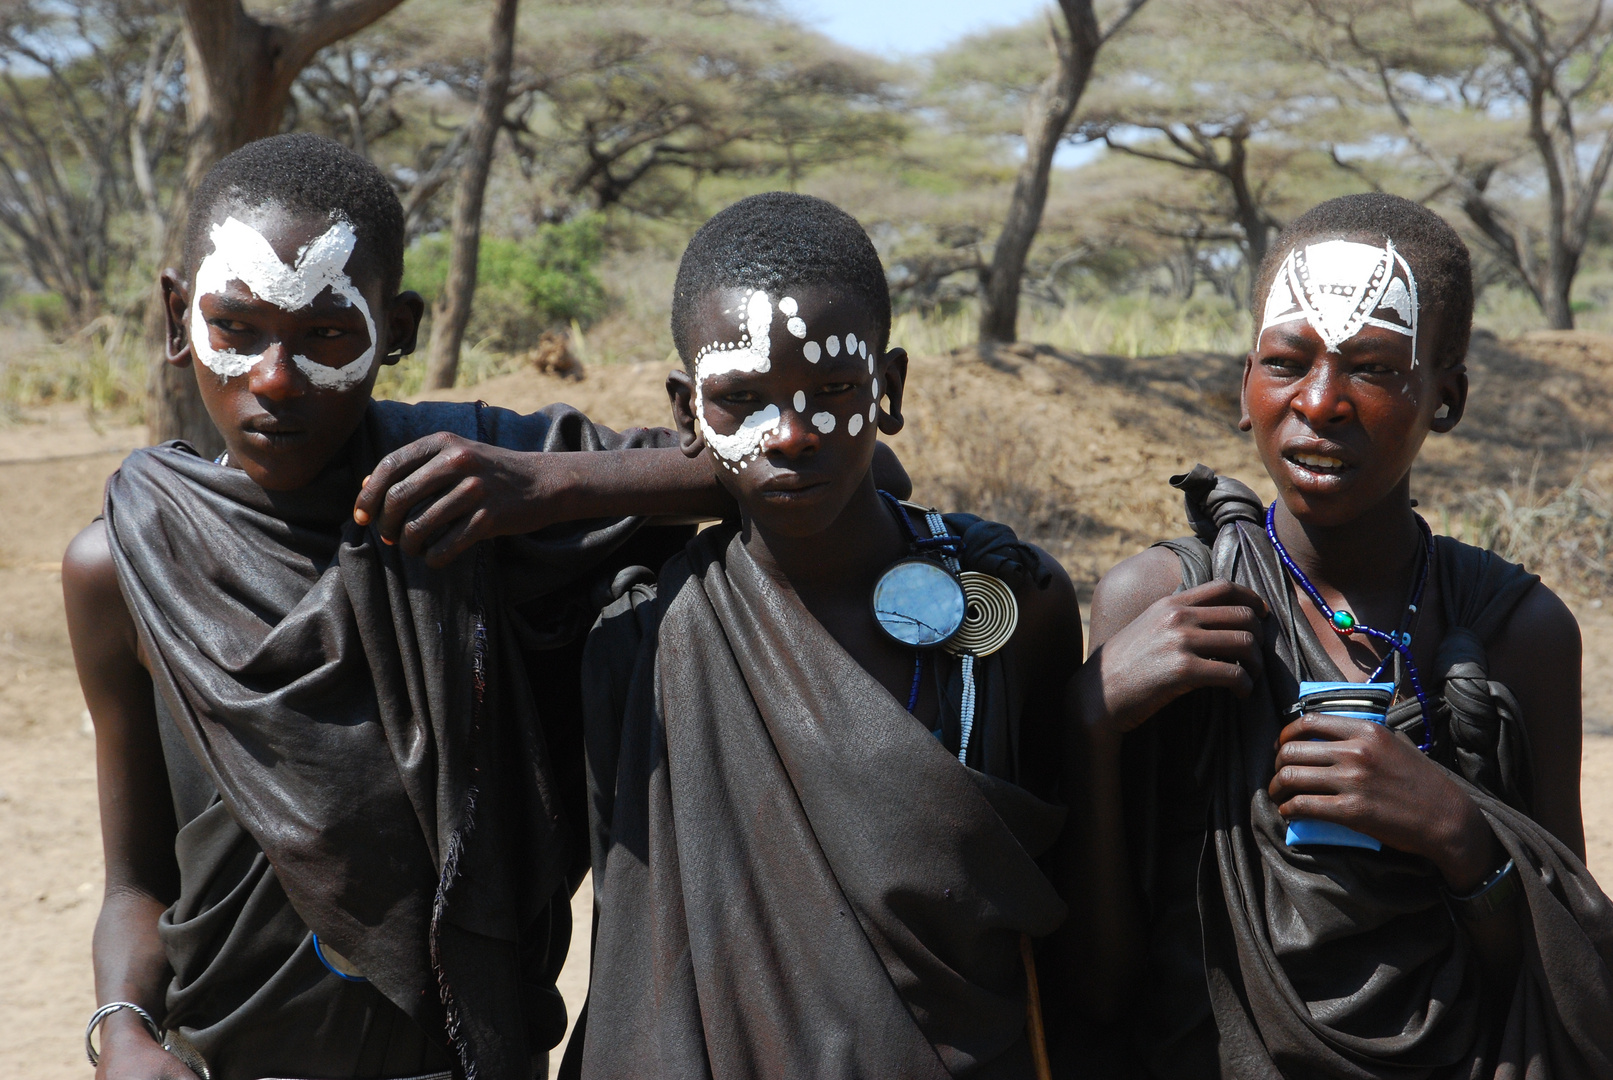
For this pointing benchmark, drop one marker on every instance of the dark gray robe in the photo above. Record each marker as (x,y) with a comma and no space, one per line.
(365,747)
(1267,961)
(793,878)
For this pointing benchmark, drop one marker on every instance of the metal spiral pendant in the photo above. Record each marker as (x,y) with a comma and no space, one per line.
(990,617)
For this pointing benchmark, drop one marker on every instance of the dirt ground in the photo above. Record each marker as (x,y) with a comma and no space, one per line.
(1073,450)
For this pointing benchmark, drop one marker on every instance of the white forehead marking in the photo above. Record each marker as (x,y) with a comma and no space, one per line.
(240,253)
(823,421)
(833,345)
(812,352)
(796,327)
(800,401)
(752,352)
(855,424)
(788,306)
(1339,286)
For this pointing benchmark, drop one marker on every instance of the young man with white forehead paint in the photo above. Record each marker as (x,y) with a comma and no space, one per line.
(1349,749)
(341,770)
(826,748)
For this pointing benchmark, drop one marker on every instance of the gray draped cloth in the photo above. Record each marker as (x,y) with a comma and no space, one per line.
(363,746)
(793,878)
(1339,962)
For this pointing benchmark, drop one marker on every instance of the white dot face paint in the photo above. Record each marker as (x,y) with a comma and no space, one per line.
(751,353)
(1340,286)
(788,307)
(240,253)
(833,345)
(812,352)
(873,411)
(796,327)
(800,401)
(823,421)
(862,350)
(851,344)
(855,424)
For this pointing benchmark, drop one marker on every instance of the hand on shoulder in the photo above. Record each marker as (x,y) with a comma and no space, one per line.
(1151,644)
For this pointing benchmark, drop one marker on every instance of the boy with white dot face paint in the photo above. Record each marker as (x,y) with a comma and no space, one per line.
(755,696)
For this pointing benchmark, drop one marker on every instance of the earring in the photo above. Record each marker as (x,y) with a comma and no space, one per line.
(1443,412)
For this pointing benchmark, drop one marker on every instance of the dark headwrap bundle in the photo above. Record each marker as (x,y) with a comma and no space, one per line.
(1333,962)
(369,722)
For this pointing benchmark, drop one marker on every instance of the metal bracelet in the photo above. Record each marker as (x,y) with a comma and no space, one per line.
(1495,895)
(107,1010)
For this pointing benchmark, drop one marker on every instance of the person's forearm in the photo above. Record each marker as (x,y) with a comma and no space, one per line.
(662,483)
(130,964)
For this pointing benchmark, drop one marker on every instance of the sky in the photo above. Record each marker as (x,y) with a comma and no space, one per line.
(906,27)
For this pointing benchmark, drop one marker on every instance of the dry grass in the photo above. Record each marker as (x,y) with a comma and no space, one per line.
(102,366)
(1564,533)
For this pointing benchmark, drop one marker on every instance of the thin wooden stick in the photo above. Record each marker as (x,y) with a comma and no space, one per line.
(1033,1011)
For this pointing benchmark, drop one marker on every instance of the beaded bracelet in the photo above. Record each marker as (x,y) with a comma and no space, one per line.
(1495,895)
(107,1010)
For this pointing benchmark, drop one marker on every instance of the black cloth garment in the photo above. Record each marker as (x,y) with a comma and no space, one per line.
(356,747)
(1266,961)
(792,877)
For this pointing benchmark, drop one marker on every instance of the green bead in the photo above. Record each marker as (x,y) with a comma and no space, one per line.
(1343,622)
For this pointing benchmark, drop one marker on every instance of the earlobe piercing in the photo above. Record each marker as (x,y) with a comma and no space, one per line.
(1443,412)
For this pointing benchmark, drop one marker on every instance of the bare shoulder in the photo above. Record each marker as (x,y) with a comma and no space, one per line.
(98,619)
(87,567)
(1130,588)
(1537,656)
(1538,653)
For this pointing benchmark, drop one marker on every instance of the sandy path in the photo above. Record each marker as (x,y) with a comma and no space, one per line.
(51,472)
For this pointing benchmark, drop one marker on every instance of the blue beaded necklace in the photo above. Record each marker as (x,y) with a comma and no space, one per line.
(1347,624)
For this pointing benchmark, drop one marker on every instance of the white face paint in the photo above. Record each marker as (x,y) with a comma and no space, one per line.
(851,344)
(1340,286)
(812,352)
(833,345)
(752,353)
(240,253)
(800,401)
(855,424)
(823,421)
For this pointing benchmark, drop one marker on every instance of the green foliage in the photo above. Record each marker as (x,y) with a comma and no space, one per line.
(523,287)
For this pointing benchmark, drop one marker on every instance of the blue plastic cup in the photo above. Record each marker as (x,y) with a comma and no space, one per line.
(1359,701)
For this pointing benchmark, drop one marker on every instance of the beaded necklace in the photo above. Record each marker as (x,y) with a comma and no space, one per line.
(1346,624)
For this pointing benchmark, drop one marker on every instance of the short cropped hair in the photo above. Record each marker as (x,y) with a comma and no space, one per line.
(1437,257)
(305,174)
(774,242)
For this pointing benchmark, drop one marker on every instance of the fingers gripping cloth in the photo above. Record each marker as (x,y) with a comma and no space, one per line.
(1487,736)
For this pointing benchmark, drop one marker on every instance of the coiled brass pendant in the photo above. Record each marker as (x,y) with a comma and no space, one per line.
(991,614)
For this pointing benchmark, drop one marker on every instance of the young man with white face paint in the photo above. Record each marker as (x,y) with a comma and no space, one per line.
(816,845)
(1440,920)
(341,821)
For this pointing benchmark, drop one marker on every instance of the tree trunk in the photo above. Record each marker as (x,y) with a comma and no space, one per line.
(451,312)
(239,71)
(1047,117)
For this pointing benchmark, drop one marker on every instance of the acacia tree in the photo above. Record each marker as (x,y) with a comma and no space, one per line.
(1469,67)
(1198,88)
(451,312)
(88,98)
(1047,119)
(240,69)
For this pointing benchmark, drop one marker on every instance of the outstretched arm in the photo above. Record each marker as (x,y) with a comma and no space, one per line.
(137,816)
(439,495)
